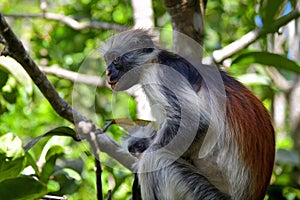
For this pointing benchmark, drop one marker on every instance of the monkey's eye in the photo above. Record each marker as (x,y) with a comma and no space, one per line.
(116,59)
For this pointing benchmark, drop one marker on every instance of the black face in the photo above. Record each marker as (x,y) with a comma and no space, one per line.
(121,64)
(138,145)
(115,70)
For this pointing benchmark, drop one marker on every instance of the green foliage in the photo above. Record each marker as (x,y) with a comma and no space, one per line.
(227,21)
(61,131)
(270,10)
(3,78)
(12,156)
(21,188)
(12,163)
(266,58)
(26,113)
(285,182)
(53,153)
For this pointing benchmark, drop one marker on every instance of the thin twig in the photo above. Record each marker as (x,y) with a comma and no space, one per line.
(69,21)
(52,197)
(74,76)
(109,195)
(98,178)
(88,129)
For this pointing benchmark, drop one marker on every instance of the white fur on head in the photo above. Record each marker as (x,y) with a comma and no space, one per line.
(125,42)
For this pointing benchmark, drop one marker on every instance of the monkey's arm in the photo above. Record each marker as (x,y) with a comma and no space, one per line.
(136,189)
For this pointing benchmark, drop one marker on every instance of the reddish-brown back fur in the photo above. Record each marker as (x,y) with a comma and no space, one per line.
(253,130)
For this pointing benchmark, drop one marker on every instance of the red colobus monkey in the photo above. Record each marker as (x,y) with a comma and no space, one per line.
(235,133)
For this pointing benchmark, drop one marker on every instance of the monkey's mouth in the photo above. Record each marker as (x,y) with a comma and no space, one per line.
(113,84)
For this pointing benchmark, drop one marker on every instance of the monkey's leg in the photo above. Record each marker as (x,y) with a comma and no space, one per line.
(164,177)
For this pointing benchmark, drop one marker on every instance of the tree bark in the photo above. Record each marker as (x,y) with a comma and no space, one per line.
(143,18)
(187,17)
(143,14)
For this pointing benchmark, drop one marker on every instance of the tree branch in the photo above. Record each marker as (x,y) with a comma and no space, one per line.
(220,55)
(17,51)
(90,80)
(278,79)
(69,21)
(74,76)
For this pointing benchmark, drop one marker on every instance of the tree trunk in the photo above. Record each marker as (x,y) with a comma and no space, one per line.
(187,18)
(294,42)
(294,51)
(143,18)
(143,14)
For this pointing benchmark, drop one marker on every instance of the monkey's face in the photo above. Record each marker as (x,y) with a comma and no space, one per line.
(124,70)
(137,146)
(116,67)
(126,55)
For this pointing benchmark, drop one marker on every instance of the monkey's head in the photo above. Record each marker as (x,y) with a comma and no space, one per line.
(125,54)
(136,146)
(138,139)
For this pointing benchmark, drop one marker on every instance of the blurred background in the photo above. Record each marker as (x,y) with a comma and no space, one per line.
(63,38)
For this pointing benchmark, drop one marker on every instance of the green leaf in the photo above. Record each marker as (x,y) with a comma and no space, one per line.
(12,159)
(69,181)
(270,9)
(22,188)
(11,168)
(53,153)
(266,58)
(32,163)
(11,145)
(13,67)
(73,174)
(59,131)
(3,78)
(64,131)
(53,186)
(11,96)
